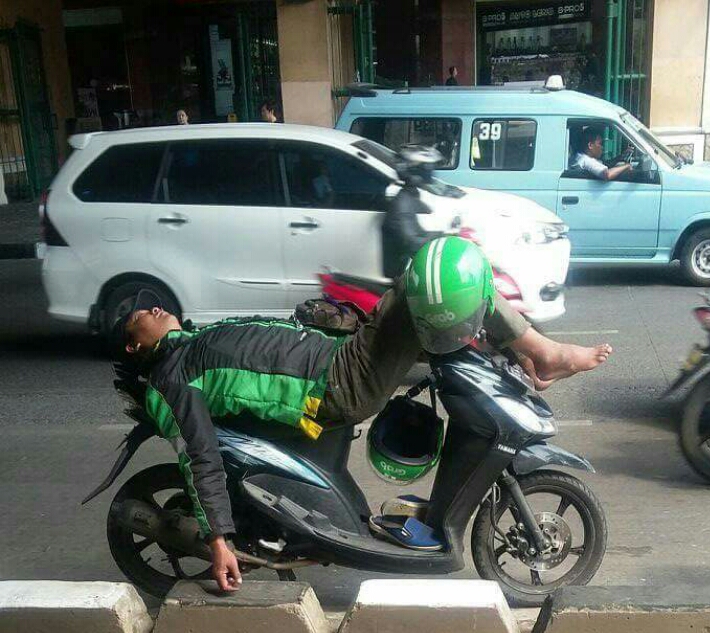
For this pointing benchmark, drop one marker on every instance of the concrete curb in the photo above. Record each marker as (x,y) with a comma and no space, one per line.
(429,606)
(626,610)
(48,606)
(382,606)
(258,607)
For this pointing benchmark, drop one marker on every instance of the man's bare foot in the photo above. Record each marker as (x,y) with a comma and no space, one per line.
(527,365)
(563,360)
(549,360)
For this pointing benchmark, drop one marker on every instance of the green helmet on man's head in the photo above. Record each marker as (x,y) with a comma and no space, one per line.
(449,288)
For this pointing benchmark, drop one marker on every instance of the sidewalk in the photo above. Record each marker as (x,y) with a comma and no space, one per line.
(19,230)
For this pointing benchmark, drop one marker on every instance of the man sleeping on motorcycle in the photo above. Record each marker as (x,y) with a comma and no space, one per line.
(278,370)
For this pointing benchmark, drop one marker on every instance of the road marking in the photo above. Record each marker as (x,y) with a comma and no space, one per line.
(574,423)
(364,426)
(561,423)
(117,427)
(582,332)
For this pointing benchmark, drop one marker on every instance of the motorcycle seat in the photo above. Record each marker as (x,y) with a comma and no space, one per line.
(372,285)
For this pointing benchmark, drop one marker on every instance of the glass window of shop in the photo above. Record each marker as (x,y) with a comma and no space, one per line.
(138,64)
(526,43)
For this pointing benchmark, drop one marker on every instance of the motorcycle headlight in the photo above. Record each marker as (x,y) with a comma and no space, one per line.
(543,233)
(526,417)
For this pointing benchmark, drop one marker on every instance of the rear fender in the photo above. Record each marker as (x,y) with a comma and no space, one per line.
(143,431)
(540,455)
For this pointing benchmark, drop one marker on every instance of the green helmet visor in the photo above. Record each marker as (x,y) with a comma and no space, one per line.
(438,340)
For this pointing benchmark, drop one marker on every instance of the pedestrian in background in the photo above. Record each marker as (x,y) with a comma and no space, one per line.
(453,73)
(268,112)
(182,118)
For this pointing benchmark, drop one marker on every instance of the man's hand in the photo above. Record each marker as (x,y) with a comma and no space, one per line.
(225,569)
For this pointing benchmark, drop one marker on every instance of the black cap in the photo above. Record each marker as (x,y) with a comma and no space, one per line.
(145,300)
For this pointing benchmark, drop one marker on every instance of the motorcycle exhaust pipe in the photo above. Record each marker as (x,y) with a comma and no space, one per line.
(174,530)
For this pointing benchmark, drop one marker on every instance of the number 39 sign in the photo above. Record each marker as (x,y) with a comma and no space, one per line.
(489,131)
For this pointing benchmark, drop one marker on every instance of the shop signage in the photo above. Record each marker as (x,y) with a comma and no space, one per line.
(521,16)
(222,72)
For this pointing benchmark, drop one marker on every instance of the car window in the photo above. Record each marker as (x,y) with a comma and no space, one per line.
(443,134)
(123,173)
(503,144)
(323,178)
(616,148)
(231,172)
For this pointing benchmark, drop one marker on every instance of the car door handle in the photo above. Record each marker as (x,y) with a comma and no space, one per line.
(570,200)
(172,220)
(308,223)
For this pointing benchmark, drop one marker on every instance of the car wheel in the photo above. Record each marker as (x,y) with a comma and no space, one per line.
(695,258)
(120,301)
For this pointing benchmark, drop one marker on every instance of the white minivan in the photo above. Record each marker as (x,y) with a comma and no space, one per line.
(237,219)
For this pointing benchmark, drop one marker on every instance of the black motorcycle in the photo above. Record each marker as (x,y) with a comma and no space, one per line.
(295,504)
(695,425)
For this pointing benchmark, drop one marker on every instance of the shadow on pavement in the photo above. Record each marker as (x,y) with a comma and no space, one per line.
(47,346)
(665,276)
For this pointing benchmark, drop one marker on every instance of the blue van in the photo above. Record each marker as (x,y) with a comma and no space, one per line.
(524,140)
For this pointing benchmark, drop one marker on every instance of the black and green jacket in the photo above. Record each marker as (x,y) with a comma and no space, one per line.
(276,370)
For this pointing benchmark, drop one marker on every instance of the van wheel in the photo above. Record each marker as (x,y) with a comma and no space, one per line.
(121,300)
(695,258)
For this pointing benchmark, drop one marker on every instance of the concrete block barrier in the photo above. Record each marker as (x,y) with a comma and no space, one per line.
(429,606)
(45,606)
(258,607)
(669,609)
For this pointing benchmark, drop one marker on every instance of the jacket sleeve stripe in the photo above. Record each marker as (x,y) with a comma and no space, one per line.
(164,418)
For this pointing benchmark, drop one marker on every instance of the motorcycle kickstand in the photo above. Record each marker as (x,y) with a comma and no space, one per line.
(526,514)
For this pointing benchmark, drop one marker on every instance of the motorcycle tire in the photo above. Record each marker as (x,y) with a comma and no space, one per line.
(692,438)
(125,550)
(590,511)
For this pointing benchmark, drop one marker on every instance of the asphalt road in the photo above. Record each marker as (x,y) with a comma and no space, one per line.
(61,421)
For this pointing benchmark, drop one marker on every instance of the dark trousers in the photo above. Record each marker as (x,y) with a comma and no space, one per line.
(370,366)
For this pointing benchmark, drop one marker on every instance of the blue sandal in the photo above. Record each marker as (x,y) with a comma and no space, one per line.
(407,532)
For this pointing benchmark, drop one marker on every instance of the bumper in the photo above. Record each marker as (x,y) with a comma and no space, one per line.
(539,272)
(69,287)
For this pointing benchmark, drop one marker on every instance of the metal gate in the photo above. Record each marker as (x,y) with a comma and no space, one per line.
(351,36)
(258,52)
(28,156)
(628,27)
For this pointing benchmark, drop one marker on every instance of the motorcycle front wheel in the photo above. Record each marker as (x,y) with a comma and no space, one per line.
(695,429)
(572,519)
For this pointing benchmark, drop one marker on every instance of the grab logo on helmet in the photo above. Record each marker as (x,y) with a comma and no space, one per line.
(440,318)
(392,470)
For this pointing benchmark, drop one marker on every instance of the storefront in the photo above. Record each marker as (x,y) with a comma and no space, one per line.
(597,46)
(139,63)
(530,43)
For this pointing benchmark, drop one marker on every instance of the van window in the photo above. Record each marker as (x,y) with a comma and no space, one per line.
(610,147)
(230,172)
(123,173)
(321,178)
(503,144)
(443,134)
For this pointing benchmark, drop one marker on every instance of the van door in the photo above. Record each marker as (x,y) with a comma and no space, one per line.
(608,219)
(334,217)
(216,230)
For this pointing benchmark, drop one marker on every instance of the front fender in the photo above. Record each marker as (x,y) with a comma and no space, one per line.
(691,224)
(543,454)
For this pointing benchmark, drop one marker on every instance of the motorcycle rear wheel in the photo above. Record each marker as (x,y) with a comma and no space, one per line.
(695,429)
(146,562)
(488,548)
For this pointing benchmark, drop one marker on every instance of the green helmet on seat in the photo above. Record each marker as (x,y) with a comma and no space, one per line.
(449,288)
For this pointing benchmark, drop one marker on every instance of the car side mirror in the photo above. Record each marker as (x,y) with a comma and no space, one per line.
(646,164)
